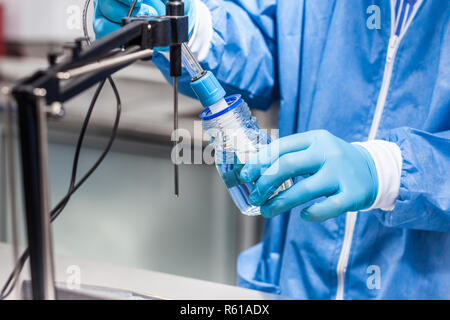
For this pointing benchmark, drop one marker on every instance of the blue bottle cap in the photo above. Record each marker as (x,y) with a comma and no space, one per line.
(233,101)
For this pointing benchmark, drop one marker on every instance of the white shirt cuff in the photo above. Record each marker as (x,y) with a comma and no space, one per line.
(200,40)
(387,157)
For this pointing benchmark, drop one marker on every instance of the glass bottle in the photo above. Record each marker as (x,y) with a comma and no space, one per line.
(235,136)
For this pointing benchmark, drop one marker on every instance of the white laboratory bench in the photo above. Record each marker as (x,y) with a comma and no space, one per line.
(146,282)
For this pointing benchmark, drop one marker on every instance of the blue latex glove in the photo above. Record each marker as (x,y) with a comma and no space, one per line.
(108,14)
(342,172)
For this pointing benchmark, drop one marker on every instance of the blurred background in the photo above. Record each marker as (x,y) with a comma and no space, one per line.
(126,212)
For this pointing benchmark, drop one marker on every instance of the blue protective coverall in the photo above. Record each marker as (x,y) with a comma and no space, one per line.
(326,67)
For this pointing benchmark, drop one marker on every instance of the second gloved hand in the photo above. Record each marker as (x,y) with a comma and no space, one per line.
(342,172)
(108,14)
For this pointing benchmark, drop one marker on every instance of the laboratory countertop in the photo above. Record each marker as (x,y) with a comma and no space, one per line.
(161,285)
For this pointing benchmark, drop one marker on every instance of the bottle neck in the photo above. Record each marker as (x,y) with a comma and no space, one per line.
(230,121)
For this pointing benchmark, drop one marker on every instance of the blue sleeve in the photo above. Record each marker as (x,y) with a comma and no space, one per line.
(242,50)
(424,196)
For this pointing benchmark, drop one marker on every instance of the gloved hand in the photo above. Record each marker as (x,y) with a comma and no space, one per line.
(108,14)
(342,172)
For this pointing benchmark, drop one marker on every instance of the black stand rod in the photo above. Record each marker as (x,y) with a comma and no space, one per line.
(33,137)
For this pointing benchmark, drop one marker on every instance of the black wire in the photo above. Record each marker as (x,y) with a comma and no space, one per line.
(60,206)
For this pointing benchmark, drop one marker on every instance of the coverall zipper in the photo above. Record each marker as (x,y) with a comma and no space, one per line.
(350,219)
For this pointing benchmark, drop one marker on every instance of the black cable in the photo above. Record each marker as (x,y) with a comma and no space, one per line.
(60,206)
